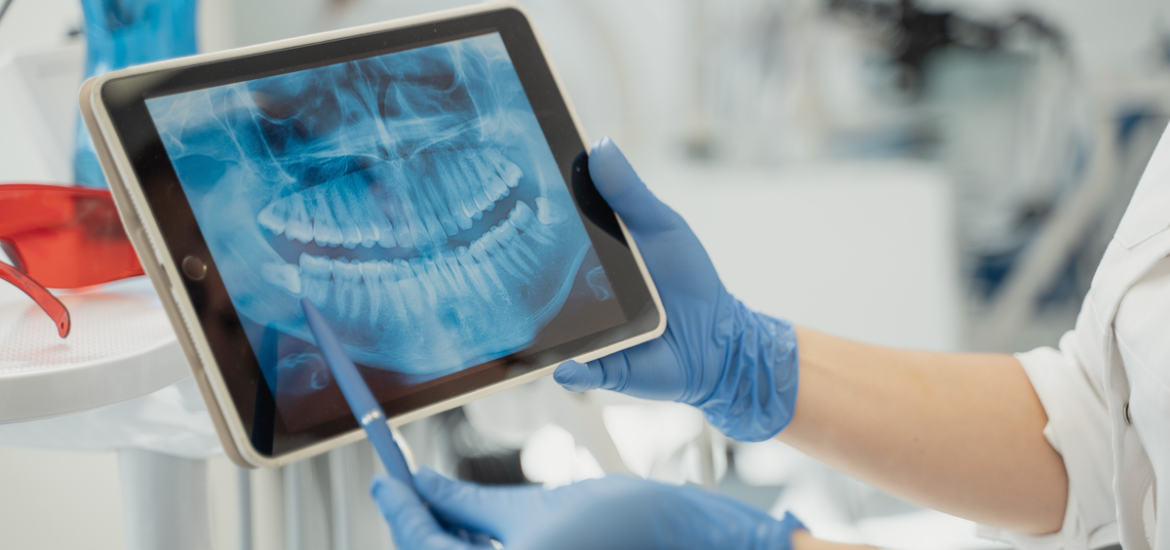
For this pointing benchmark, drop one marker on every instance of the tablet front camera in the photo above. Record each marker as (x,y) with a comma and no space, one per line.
(412,197)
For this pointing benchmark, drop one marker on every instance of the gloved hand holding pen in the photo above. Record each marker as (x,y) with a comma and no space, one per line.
(614,513)
(736,365)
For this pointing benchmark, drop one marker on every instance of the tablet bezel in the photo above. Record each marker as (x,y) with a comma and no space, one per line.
(109,116)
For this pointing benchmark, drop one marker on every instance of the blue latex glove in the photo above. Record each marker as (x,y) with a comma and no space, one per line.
(614,513)
(736,365)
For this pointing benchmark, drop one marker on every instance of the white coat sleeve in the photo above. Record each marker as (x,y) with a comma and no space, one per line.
(1070,386)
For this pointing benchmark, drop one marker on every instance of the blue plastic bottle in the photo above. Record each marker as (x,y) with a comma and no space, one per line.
(120,33)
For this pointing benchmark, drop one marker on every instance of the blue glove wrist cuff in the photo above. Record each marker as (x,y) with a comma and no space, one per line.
(756,396)
(782,538)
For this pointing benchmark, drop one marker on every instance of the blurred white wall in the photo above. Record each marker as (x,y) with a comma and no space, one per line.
(32,24)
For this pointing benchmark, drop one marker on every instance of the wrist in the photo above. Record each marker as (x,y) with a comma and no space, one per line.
(755,396)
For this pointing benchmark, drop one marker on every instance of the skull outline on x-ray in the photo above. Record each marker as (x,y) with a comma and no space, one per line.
(410,196)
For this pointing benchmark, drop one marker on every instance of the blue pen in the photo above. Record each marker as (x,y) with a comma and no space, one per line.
(361,401)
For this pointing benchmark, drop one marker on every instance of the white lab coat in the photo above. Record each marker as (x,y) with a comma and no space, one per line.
(1107,389)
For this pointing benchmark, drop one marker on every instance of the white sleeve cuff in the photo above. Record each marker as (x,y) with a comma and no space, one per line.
(1078,428)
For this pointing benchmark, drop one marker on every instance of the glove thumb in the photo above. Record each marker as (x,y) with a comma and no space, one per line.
(411,524)
(621,187)
(577,377)
(465,504)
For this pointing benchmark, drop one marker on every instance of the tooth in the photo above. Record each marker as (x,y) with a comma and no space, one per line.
(316,276)
(437,269)
(282,275)
(450,225)
(469,266)
(479,251)
(401,229)
(525,220)
(371,234)
(449,267)
(366,217)
(418,230)
(467,205)
(511,173)
(492,183)
(388,273)
(342,202)
(516,248)
(438,235)
(455,176)
(299,226)
(493,243)
(325,230)
(477,194)
(441,194)
(275,216)
(486,180)
(424,281)
(546,212)
(457,199)
(371,278)
(385,230)
(507,169)
(496,187)
(435,279)
(491,203)
(412,291)
(347,280)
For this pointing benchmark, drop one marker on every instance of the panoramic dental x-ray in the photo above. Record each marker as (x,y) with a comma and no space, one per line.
(411,197)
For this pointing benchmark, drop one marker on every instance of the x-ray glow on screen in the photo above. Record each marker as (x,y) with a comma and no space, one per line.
(411,196)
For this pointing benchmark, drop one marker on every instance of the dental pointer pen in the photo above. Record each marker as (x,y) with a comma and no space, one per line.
(361,401)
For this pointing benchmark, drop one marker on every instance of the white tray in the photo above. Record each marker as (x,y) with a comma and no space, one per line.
(121,347)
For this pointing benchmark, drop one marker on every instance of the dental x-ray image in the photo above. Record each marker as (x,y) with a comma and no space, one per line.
(411,197)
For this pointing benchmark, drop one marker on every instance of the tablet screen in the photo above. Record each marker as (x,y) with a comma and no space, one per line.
(411,196)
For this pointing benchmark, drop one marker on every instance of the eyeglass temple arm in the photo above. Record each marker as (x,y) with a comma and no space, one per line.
(49,303)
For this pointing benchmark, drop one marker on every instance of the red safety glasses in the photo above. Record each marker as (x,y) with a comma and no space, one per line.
(62,237)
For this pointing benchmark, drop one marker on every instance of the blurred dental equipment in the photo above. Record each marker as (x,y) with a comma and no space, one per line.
(120,33)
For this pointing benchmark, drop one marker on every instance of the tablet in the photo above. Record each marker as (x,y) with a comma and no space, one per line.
(423,182)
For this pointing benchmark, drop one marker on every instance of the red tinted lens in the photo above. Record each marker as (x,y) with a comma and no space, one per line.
(65,237)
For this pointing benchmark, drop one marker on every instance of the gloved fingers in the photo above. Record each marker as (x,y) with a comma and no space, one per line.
(579,377)
(411,524)
(490,510)
(625,192)
(655,376)
(611,372)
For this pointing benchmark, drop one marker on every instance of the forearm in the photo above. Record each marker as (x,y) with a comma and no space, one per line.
(803,540)
(959,433)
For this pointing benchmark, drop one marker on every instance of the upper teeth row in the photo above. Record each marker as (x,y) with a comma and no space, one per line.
(452,190)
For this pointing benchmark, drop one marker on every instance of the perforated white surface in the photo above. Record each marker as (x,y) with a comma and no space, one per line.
(109,324)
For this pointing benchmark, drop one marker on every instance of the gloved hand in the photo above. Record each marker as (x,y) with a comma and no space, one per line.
(615,513)
(738,366)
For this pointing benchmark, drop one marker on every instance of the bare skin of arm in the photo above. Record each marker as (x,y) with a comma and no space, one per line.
(802,540)
(959,433)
